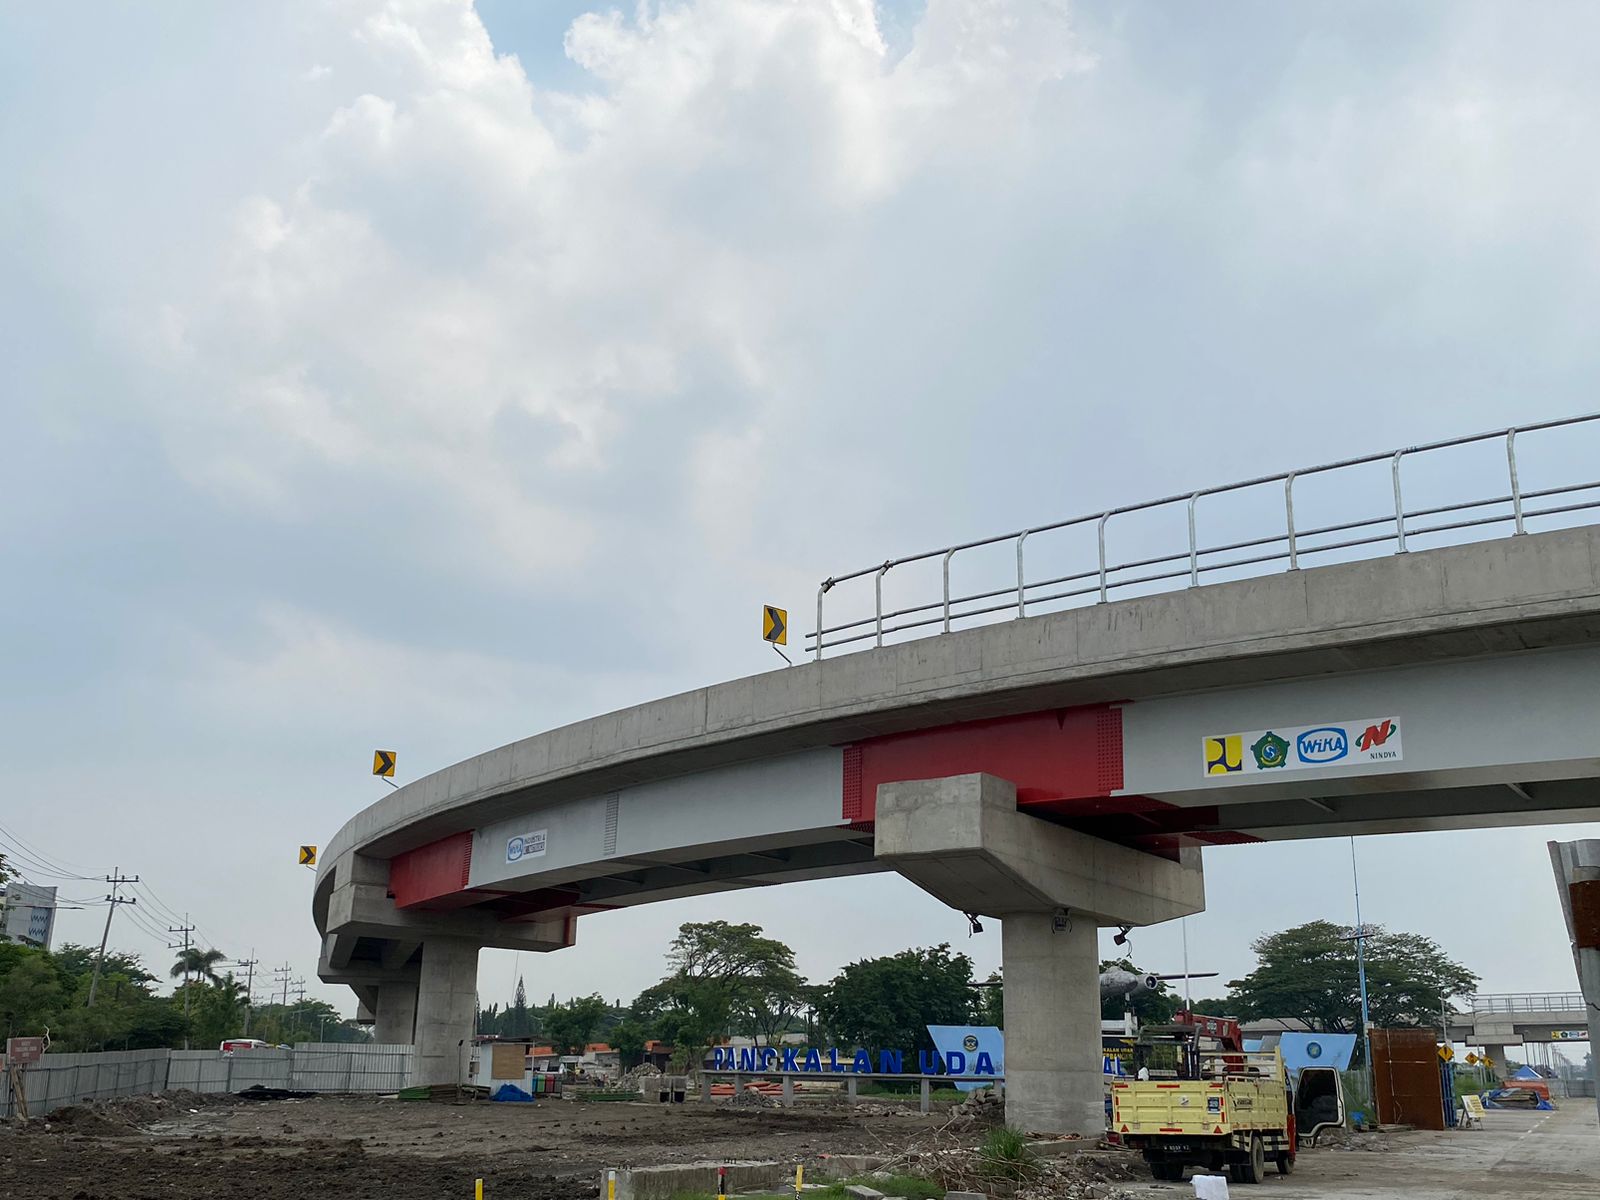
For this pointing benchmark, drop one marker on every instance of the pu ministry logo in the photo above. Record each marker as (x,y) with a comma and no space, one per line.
(1270,751)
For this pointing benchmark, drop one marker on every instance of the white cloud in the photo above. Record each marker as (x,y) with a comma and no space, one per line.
(527,390)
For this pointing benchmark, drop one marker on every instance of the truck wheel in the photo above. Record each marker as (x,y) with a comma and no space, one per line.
(1285,1163)
(1255,1170)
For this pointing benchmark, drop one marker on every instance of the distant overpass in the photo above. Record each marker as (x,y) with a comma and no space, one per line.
(1501,1021)
(1077,761)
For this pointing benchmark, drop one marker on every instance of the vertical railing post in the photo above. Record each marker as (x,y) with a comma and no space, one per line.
(1022,597)
(877,589)
(1399,507)
(816,652)
(1288,508)
(1101,531)
(947,555)
(1194,551)
(1516,487)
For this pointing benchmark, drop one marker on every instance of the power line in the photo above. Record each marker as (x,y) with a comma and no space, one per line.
(116,880)
(39,866)
(61,865)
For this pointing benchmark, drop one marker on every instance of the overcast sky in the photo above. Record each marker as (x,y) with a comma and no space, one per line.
(413,375)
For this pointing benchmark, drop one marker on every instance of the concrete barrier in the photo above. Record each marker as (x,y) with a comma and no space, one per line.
(662,1183)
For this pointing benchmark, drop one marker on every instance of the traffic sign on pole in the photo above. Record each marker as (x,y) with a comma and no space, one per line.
(308,856)
(774,625)
(383,763)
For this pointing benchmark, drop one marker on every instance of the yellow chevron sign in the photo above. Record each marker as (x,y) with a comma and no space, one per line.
(775,625)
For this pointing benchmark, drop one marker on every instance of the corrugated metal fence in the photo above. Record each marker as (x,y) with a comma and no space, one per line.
(61,1079)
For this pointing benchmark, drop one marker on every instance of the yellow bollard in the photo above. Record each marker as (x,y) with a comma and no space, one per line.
(611,1185)
(799,1179)
(477,1191)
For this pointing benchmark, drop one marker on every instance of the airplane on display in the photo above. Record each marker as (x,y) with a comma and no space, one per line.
(1119,982)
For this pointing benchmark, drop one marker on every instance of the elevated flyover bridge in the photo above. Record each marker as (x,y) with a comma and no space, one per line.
(1060,768)
(1499,1022)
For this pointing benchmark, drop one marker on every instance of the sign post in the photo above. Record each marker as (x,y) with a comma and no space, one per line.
(22,1052)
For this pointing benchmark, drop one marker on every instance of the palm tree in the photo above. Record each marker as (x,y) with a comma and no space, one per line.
(197,962)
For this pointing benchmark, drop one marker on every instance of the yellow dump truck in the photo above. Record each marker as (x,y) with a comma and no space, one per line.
(1198,1100)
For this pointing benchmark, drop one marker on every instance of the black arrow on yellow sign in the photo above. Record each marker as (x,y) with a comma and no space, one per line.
(308,856)
(383,763)
(774,625)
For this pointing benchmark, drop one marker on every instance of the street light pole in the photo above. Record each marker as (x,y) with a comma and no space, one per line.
(1361,973)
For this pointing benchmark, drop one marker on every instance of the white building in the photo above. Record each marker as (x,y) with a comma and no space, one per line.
(27,914)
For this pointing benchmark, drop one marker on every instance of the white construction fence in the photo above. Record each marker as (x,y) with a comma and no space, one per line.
(57,1080)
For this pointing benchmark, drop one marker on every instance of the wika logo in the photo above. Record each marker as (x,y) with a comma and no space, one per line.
(1325,745)
(1376,735)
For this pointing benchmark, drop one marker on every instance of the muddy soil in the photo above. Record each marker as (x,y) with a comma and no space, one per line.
(185,1147)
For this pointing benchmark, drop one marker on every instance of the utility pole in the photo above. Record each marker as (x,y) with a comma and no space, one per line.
(281,975)
(249,965)
(185,930)
(116,879)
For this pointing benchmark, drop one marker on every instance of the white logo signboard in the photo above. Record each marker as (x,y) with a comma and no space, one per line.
(526,845)
(1297,747)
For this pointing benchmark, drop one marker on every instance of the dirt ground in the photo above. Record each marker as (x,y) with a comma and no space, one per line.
(1515,1156)
(346,1148)
(185,1147)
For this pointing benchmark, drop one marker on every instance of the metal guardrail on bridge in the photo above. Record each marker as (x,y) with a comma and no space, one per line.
(1511,509)
(1531,1002)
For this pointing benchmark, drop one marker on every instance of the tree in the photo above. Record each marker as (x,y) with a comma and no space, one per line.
(721,975)
(218,1012)
(31,992)
(193,962)
(571,1026)
(1215,1007)
(1308,973)
(888,1003)
(628,1040)
(990,1007)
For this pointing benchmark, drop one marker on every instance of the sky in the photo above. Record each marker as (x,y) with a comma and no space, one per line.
(412,374)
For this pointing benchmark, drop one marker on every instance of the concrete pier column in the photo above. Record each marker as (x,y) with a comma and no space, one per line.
(447,999)
(962,839)
(1054,1082)
(396,1013)
(1577,868)
(1497,1055)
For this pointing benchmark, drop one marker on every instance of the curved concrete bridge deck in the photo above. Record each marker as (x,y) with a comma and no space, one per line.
(1437,689)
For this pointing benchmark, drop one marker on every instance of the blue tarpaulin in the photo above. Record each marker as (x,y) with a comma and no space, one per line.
(511,1094)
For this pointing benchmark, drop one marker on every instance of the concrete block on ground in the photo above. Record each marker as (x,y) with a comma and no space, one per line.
(862,1192)
(965,1196)
(843,1165)
(662,1183)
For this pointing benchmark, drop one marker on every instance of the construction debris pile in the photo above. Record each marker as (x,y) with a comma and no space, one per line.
(629,1081)
(1030,1171)
(984,1104)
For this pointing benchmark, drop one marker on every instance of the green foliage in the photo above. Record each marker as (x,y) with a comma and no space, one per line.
(722,977)
(989,1008)
(571,1026)
(628,1039)
(890,1001)
(31,991)
(1216,1007)
(1005,1154)
(195,963)
(1309,973)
